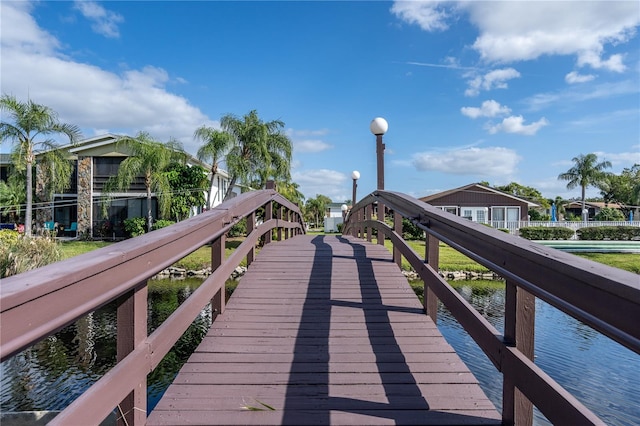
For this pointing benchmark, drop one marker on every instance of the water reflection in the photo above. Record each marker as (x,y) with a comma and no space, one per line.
(52,373)
(600,373)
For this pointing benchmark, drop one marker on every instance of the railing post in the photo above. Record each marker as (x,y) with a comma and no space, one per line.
(268,215)
(217,257)
(251,225)
(279,217)
(132,330)
(397,227)
(368,215)
(380,217)
(432,257)
(519,327)
(287,230)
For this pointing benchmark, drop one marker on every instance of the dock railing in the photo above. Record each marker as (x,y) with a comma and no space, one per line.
(605,298)
(36,304)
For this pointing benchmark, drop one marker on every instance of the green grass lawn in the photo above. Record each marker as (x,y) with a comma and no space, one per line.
(450,259)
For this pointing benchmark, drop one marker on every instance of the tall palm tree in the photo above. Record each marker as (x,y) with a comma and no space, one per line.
(29,122)
(585,172)
(260,150)
(149,159)
(216,145)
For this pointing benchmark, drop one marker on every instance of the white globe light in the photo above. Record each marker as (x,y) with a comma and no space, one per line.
(379,126)
(344,207)
(355,175)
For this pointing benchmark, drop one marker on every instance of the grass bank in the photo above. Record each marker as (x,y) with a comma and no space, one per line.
(450,259)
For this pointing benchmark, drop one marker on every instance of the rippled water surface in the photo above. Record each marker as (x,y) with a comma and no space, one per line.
(600,373)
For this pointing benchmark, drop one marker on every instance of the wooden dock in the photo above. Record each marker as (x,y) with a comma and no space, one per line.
(324,330)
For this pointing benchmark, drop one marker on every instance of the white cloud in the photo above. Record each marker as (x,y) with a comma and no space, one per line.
(427,15)
(574,77)
(496,79)
(580,94)
(322,181)
(489,108)
(135,100)
(484,162)
(103,21)
(511,31)
(515,124)
(310,145)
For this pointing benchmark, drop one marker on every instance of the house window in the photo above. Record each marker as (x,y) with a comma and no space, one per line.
(449,209)
(509,214)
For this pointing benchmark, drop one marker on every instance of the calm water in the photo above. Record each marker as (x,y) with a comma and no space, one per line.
(600,373)
(50,375)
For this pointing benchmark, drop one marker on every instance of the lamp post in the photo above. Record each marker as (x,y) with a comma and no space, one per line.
(379,127)
(344,209)
(355,175)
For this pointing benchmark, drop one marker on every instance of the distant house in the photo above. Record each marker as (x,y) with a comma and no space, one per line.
(593,207)
(482,204)
(333,217)
(95,160)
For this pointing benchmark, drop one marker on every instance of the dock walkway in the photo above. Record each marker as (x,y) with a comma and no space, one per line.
(324,330)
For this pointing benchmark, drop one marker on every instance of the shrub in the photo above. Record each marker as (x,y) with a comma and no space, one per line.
(610,215)
(162,223)
(546,233)
(615,233)
(410,231)
(238,230)
(135,226)
(23,254)
(340,226)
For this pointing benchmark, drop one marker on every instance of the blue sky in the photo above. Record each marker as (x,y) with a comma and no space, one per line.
(472,91)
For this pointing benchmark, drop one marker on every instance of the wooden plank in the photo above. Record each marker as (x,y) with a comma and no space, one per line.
(326,330)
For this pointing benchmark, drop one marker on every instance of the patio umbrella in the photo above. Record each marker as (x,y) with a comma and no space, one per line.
(554,216)
(631,216)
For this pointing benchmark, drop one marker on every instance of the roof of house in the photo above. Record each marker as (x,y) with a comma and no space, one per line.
(99,145)
(598,204)
(469,187)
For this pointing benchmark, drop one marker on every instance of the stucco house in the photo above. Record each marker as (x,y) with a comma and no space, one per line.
(483,204)
(333,217)
(95,160)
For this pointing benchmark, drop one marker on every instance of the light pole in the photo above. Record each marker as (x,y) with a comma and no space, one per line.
(344,209)
(379,127)
(355,175)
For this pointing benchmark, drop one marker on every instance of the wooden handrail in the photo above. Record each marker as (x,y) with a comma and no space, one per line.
(36,304)
(605,298)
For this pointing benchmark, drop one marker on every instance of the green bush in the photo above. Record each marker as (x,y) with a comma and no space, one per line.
(22,254)
(8,237)
(135,226)
(609,215)
(162,223)
(546,233)
(614,233)
(238,230)
(410,231)
(340,226)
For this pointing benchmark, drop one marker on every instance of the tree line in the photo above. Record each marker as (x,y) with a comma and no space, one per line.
(252,150)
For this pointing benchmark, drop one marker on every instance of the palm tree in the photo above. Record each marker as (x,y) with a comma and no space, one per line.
(149,159)
(216,145)
(290,191)
(585,172)
(260,151)
(30,122)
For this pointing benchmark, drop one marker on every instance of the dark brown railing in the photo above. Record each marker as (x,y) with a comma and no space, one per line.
(605,298)
(36,304)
